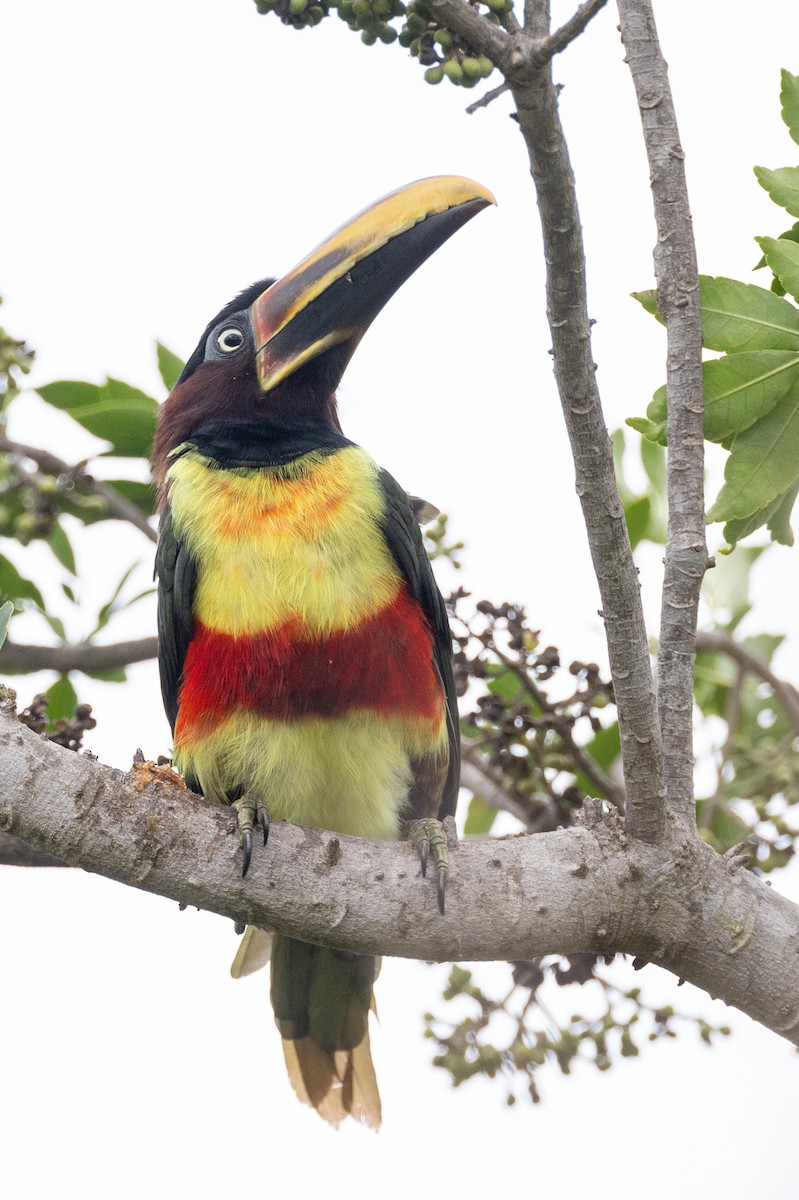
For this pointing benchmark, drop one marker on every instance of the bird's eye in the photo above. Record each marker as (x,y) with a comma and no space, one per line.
(230,340)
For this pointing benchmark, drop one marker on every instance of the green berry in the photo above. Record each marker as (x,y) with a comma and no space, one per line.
(444,39)
(453,70)
(434,74)
(388,34)
(297,7)
(486,66)
(368,37)
(471,68)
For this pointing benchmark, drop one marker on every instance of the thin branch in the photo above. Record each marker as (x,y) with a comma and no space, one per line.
(482,35)
(588,889)
(50,464)
(785,692)
(588,765)
(677,277)
(571,29)
(487,99)
(603,511)
(476,777)
(18,659)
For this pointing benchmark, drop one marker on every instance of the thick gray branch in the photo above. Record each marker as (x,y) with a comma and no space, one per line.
(570,326)
(678,298)
(16,658)
(585,889)
(14,853)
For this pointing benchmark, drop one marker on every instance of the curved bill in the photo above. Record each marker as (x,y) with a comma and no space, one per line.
(335,293)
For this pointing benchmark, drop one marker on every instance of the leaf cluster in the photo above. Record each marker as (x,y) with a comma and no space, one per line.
(518,1035)
(752,390)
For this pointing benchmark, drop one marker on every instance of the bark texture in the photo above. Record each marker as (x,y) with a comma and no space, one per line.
(591,888)
(678,299)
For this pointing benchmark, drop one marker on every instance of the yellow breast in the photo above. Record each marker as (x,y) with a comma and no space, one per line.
(302,540)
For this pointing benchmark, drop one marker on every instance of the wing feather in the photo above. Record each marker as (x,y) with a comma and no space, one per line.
(404,539)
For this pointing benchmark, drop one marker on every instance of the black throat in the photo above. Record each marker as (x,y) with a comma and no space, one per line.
(270,443)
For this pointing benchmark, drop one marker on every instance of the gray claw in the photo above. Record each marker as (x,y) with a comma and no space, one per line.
(246,845)
(424,851)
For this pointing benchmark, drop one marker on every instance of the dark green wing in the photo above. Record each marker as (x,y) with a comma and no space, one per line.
(176,576)
(404,538)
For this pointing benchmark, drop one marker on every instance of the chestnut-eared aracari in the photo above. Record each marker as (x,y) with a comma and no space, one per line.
(304,647)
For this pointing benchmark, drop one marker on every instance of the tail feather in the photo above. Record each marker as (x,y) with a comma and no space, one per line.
(322,999)
(337,1083)
(254,952)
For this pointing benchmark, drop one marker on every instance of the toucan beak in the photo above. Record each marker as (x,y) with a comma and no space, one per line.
(335,293)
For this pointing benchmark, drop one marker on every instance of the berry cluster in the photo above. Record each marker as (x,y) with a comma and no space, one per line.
(444,54)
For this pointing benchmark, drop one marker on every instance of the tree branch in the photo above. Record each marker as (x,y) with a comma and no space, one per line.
(678,299)
(724,644)
(17,658)
(117,505)
(587,889)
(571,29)
(14,853)
(603,511)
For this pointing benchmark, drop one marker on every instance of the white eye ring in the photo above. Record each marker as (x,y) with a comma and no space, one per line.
(230,340)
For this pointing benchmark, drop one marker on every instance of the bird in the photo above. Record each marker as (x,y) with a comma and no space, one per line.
(304,648)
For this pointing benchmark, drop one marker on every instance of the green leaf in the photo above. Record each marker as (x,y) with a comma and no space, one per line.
(61,547)
(6,612)
(763,462)
(735,531)
(789,98)
(57,626)
(480,817)
(779,519)
(140,494)
(62,700)
(782,186)
(169,366)
(108,675)
(604,748)
(726,586)
(742,388)
(649,301)
(116,412)
(505,683)
(648,430)
(637,514)
(654,463)
(782,257)
(741,316)
(69,593)
(16,586)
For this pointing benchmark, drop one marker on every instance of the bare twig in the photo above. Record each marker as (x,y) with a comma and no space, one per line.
(50,464)
(485,100)
(678,298)
(16,658)
(571,29)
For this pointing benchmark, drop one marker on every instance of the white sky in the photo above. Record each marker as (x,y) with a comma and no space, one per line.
(158,158)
